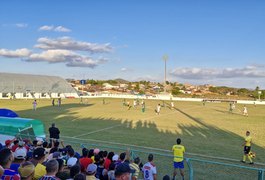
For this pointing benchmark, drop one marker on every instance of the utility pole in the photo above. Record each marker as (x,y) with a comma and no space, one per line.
(165,58)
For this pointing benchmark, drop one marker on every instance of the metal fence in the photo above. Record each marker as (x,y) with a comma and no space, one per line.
(194,168)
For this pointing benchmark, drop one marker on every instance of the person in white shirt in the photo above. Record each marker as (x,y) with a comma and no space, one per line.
(149,169)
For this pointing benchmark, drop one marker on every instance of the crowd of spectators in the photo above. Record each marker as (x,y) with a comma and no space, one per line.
(43,160)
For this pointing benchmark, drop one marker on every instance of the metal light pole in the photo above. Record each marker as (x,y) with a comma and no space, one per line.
(165,58)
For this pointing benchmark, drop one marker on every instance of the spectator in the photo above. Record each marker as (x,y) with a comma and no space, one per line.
(8,143)
(149,169)
(71,160)
(135,167)
(19,157)
(108,160)
(74,170)
(99,173)
(91,172)
(111,172)
(80,176)
(115,158)
(61,174)
(85,160)
(15,145)
(6,159)
(37,159)
(54,132)
(26,170)
(122,172)
(52,167)
(166,177)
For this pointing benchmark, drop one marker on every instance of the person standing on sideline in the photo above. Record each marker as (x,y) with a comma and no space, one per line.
(143,106)
(54,132)
(172,105)
(149,169)
(247,148)
(52,102)
(59,102)
(245,111)
(178,152)
(158,108)
(34,104)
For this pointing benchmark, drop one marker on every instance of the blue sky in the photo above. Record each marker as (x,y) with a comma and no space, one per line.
(207,42)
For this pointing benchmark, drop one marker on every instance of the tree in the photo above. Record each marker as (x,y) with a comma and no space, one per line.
(175,91)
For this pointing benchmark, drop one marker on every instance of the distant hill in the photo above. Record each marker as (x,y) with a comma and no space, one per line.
(121,81)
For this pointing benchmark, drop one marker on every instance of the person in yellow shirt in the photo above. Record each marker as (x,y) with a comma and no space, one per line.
(247,147)
(178,152)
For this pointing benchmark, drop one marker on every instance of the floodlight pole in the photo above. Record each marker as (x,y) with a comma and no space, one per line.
(165,58)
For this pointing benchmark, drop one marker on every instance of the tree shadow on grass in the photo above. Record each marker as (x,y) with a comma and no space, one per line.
(200,139)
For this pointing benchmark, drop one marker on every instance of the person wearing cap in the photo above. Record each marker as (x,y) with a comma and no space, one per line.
(6,159)
(149,169)
(122,172)
(19,157)
(71,160)
(26,170)
(37,159)
(8,143)
(54,132)
(52,167)
(91,172)
(178,161)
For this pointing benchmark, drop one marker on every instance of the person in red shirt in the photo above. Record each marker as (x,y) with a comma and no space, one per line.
(85,160)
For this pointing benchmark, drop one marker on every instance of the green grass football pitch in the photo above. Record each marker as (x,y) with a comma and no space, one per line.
(206,131)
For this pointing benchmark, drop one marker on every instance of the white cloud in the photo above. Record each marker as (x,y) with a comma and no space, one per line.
(62,29)
(53,28)
(70,44)
(16,53)
(46,28)
(71,58)
(21,25)
(124,69)
(252,71)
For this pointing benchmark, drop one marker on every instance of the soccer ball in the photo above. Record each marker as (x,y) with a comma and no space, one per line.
(252,154)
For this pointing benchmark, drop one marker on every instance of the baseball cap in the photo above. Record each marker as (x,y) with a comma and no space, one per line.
(71,161)
(122,168)
(91,168)
(8,142)
(115,157)
(26,169)
(20,153)
(39,152)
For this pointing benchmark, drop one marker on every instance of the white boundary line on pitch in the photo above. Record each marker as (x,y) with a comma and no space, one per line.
(99,130)
(163,150)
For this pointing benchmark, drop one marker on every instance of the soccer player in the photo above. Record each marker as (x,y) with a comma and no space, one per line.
(158,108)
(178,152)
(245,111)
(34,104)
(172,105)
(247,147)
